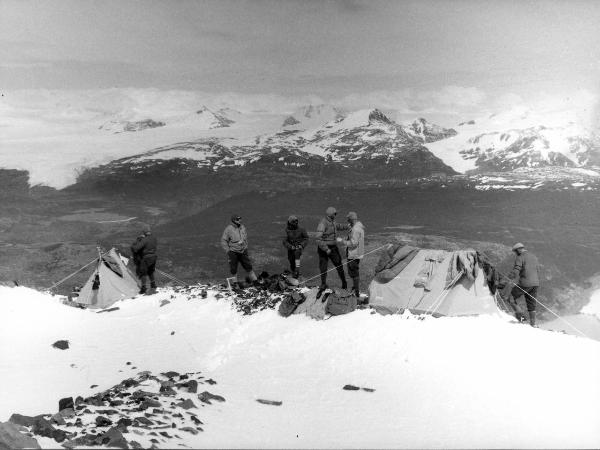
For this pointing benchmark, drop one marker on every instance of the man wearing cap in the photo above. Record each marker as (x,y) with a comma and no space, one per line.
(235,242)
(526,271)
(355,249)
(327,248)
(295,242)
(144,257)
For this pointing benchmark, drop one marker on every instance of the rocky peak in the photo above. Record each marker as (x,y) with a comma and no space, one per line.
(377,116)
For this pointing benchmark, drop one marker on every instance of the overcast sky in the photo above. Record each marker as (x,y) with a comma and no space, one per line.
(326,48)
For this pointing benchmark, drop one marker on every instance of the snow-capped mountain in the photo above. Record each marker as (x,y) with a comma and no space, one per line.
(428,132)
(518,139)
(312,116)
(207,119)
(120,126)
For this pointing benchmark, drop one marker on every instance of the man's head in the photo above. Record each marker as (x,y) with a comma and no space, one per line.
(236,219)
(352,217)
(331,212)
(293,221)
(518,248)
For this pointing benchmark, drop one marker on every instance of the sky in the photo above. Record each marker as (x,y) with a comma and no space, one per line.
(428,56)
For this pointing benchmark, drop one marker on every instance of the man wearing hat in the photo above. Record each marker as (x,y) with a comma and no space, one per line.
(235,242)
(295,242)
(144,257)
(327,248)
(355,249)
(526,271)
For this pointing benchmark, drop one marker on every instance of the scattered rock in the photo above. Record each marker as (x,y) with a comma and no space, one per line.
(59,435)
(192,386)
(148,403)
(135,444)
(78,400)
(170,374)
(65,403)
(58,419)
(114,308)
(206,397)
(123,423)
(114,438)
(42,427)
(197,421)
(186,404)
(102,421)
(189,430)
(164,302)
(143,420)
(93,386)
(19,419)
(172,333)
(211,381)
(350,387)
(164,434)
(368,389)
(11,437)
(269,402)
(61,344)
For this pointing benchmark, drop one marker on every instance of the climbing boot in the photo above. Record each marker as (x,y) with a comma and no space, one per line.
(321,290)
(532,319)
(142,290)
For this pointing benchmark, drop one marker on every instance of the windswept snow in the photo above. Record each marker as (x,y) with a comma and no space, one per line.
(450,382)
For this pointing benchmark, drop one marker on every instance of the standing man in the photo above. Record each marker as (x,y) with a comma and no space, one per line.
(327,249)
(526,271)
(144,257)
(235,242)
(295,242)
(355,249)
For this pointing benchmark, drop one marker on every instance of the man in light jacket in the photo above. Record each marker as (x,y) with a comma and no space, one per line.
(235,242)
(327,240)
(355,249)
(526,271)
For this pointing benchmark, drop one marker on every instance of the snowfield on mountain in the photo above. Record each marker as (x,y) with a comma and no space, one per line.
(467,382)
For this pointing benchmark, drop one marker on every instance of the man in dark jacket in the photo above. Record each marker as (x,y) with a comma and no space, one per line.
(295,241)
(235,242)
(526,272)
(327,239)
(144,257)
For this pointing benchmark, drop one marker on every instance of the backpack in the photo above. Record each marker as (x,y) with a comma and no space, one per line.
(341,301)
(289,304)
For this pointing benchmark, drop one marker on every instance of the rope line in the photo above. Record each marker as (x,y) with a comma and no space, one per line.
(171,277)
(73,274)
(442,295)
(343,264)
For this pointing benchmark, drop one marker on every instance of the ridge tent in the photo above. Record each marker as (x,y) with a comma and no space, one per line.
(436,282)
(110,282)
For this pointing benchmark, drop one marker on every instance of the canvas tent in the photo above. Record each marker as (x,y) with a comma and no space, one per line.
(111,281)
(425,281)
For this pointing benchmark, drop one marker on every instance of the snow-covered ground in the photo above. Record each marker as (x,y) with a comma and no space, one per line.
(448,382)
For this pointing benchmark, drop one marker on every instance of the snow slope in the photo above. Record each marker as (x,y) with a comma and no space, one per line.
(450,382)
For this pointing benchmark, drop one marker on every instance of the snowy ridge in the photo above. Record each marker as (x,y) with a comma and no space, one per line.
(437,378)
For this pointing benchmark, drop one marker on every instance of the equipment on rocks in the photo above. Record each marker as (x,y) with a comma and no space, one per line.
(340,301)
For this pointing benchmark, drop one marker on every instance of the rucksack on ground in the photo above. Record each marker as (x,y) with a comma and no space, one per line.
(341,301)
(289,304)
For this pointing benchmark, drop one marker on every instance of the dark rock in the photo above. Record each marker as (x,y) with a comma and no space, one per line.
(129,382)
(59,435)
(78,400)
(189,430)
(19,419)
(65,403)
(165,434)
(170,374)
(123,423)
(350,387)
(197,421)
(206,397)
(192,386)
(183,377)
(186,404)
(11,437)
(154,440)
(164,302)
(114,438)
(107,411)
(149,403)
(102,421)
(61,344)
(211,381)
(93,386)
(58,419)
(143,420)
(269,402)
(67,413)
(172,333)
(116,402)
(42,427)
(128,363)
(135,444)
(368,389)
